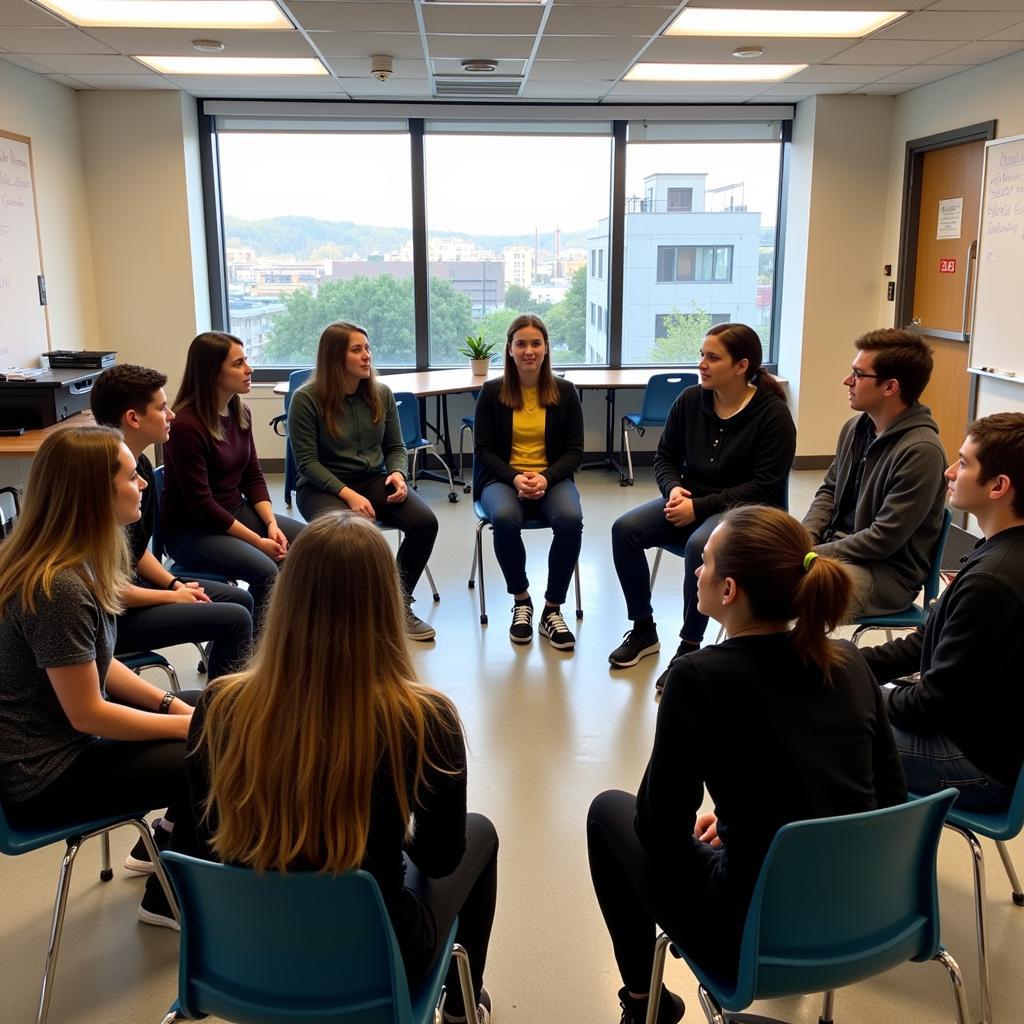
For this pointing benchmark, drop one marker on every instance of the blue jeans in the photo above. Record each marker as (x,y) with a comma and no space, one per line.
(560,509)
(646,527)
(932,762)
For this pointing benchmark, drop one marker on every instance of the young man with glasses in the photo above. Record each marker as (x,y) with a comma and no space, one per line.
(879,509)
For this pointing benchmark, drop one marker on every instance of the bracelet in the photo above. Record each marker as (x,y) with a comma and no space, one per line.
(176,579)
(166,702)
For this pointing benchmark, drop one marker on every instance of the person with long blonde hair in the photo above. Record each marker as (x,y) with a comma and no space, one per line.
(345,433)
(216,508)
(81,736)
(327,754)
(778,722)
(528,438)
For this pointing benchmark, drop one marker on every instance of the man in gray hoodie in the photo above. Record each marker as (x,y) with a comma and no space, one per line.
(879,509)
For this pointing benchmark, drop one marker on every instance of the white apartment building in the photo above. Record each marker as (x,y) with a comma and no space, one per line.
(687,248)
(518,265)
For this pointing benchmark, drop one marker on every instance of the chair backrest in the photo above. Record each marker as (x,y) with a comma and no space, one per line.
(157,540)
(661,391)
(409,418)
(10,509)
(295,381)
(270,948)
(931,583)
(841,899)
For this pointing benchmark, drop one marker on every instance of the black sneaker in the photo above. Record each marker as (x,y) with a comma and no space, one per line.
(553,626)
(154,908)
(483,1011)
(521,630)
(634,1011)
(638,643)
(685,647)
(138,860)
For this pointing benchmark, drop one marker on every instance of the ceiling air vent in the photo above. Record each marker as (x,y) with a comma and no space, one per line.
(476,87)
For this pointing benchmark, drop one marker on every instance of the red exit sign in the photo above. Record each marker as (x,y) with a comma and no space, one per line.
(947,266)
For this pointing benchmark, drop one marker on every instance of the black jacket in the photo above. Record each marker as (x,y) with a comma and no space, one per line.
(492,437)
(743,460)
(969,653)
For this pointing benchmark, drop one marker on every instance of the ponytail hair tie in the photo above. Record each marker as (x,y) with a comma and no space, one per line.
(808,558)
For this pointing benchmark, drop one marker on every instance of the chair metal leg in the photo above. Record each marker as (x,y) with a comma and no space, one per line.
(462,436)
(433,586)
(827,1004)
(472,571)
(412,471)
(579,599)
(657,975)
(461,958)
(480,564)
(957,981)
(714,1013)
(168,670)
(56,927)
(146,834)
(657,564)
(106,871)
(170,1018)
(978,861)
(431,450)
(204,659)
(628,481)
(1004,856)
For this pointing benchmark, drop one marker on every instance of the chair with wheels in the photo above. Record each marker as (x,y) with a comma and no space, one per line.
(1000,826)
(661,391)
(912,617)
(837,901)
(478,560)
(280,948)
(415,442)
(15,841)
(280,424)
(384,527)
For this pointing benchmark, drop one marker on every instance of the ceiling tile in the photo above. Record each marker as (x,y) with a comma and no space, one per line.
(842,73)
(1015,32)
(685,92)
(27,63)
(365,44)
(22,13)
(109,82)
(960,27)
(355,17)
(577,19)
(499,47)
(924,73)
(178,41)
(889,51)
(889,89)
(576,70)
(453,66)
(665,4)
(815,5)
(76,64)
(718,49)
(394,89)
(71,83)
(51,40)
(977,53)
(514,20)
(541,90)
(356,67)
(972,5)
(263,86)
(594,47)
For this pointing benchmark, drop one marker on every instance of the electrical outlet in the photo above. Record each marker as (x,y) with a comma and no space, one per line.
(890,291)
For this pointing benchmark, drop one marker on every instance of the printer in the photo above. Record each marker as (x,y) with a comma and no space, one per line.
(47,399)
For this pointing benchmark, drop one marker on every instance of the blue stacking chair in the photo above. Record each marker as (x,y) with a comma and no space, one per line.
(838,900)
(661,391)
(280,424)
(282,948)
(415,442)
(16,841)
(1000,826)
(468,423)
(912,617)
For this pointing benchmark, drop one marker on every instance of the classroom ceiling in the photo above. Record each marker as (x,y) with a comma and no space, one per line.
(574,51)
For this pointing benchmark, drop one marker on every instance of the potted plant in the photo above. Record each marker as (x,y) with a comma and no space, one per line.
(479,352)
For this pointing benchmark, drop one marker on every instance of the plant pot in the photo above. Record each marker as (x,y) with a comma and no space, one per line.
(480,367)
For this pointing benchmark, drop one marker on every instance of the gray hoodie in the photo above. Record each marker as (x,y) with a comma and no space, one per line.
(899,507)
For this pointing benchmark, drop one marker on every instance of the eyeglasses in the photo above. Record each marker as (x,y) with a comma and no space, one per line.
(861,375)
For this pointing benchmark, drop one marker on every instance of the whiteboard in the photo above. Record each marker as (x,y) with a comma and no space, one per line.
(24,325)
(996,338)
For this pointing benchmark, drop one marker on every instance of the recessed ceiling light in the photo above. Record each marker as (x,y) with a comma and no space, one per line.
(651,72)
(256,66)
(707,21)
(254,14)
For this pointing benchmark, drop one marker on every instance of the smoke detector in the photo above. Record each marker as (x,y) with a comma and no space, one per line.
(479,65)
(748,52)
(382,67)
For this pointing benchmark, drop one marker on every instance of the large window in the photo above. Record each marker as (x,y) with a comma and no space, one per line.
(694,263)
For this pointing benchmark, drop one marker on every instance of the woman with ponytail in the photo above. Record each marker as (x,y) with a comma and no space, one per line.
(780,724)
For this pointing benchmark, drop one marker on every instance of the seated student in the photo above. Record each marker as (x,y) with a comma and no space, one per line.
(729,441)
(216,508)
(311,761)
(160,609)
(959,724)
(81,735)
(528,436)
(780,723)
(879,510)
(344,431)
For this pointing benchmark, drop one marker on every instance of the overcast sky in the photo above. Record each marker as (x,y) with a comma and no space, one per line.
(475,184)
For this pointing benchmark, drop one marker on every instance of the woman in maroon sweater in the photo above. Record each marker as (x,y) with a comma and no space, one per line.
(216,508)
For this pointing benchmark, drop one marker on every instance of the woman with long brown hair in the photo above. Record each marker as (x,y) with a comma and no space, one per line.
(778,722)
(81,736)
(528,436)
(216,507)
(344,430)
(326,754)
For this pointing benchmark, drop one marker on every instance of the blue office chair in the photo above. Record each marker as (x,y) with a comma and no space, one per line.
(281,948)
(478,560)
(1000,826)
(16,841)
(661,391)
(9,509)
(837,901)
(415,442)
(468,423)
(912,617)
(280,424)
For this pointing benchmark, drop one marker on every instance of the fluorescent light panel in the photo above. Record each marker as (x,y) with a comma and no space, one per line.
(257,66)
(651,72)
(748,24)
(254,14)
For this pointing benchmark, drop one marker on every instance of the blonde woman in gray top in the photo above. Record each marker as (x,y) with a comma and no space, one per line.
(344,431)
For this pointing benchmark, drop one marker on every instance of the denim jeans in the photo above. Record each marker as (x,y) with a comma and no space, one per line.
(646,527)
(560,509)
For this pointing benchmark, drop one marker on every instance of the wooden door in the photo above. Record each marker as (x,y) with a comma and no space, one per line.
(943,277)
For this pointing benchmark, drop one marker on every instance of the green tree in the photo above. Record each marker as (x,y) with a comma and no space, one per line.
(683,334)
(494,327)
(567,321)
(517,297)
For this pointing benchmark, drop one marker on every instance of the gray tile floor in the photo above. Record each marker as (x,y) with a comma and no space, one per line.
(547,731)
